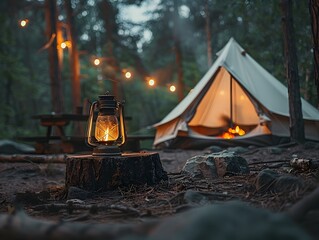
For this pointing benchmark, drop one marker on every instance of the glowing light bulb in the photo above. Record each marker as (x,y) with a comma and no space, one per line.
(128,75)
(97,61)
(63,45)
(172,88)
(151,82)
(24,22)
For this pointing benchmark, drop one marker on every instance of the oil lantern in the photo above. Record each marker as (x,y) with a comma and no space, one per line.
(106,128)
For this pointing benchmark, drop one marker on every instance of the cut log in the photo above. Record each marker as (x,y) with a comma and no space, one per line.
(101,173)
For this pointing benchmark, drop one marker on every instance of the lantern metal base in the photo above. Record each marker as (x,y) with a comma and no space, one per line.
(106,151)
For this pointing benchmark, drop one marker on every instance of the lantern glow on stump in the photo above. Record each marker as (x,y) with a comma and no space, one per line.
(107,168)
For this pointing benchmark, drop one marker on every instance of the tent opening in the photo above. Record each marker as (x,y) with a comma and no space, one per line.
(225,111)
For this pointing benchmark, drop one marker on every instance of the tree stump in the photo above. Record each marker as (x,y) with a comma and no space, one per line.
(101,173)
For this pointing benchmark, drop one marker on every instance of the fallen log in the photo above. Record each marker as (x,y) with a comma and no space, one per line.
(33,158)
(21,226)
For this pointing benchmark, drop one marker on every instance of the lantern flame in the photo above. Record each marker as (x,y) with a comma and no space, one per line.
(107,129)
(233,132)
(106,135)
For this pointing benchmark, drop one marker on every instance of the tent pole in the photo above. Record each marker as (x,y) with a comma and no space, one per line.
(231,101)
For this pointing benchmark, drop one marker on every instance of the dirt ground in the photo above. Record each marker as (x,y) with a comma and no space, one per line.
(32,186)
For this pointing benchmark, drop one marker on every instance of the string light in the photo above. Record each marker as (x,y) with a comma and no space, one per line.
(128,75)
(65,44)
(23,23)
(172,88)
(151,82)
(96,62)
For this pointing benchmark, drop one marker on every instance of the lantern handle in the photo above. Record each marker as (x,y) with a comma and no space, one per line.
(90,124)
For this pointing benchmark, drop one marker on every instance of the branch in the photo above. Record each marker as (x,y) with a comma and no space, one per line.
(92,208)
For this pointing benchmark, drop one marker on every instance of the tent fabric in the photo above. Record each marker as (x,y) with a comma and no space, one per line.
(235,88)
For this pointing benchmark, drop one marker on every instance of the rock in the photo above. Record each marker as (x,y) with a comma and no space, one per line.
(300,164)
(269,180)
(11,147)
(287,183)
(216,165)
(229,163)
(200,166)
(265,179)
(230,220)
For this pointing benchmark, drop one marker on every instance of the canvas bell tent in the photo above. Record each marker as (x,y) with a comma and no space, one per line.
(237,102)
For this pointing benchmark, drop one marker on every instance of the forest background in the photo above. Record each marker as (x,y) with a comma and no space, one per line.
(176,45)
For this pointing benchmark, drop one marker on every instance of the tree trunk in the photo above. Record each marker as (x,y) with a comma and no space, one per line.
(314,14)
(74,57)
(101,173)
(110,25)
(208,35)
(296,120)
(55,57)
(178,54)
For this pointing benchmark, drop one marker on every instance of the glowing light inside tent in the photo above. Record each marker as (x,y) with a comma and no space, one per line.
(233,132)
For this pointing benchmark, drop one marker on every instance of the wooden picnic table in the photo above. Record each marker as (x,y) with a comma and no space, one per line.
(69,144)
(59,121)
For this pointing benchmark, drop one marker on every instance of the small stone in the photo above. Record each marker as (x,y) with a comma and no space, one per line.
(287,183)
(265,179)
(300,164)
(269,180)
